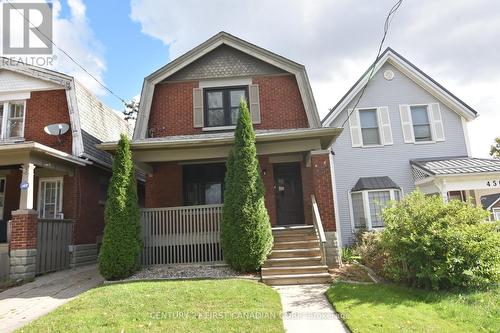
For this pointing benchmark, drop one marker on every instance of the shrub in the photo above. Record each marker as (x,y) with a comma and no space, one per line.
(370,249)
(121,244)
(246,231)
(350,255)
(434,244)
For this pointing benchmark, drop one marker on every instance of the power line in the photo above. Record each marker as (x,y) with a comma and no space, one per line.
(68,55)
(387,23)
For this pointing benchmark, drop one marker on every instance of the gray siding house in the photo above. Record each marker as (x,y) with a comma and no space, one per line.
(406,131)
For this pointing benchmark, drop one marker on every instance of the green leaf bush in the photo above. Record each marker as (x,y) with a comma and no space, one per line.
(440,245)
(246,236)
(121,244)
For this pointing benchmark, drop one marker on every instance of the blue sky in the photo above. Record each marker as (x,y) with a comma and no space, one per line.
(130,55)
(454,41)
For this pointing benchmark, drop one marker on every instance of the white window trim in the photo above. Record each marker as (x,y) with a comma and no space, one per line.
(366,206)
(377,112)
(219,128)
(3,126)
(495,211)
(433,135)
(60,215)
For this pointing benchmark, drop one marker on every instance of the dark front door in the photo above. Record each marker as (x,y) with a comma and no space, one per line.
(288,189)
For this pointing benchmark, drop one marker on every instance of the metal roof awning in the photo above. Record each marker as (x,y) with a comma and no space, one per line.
(374,183)
(457,165)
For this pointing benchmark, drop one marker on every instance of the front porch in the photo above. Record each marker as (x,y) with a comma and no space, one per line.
(457,178)
(36,193)
(184,190)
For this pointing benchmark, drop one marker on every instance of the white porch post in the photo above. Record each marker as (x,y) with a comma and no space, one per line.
(28,186)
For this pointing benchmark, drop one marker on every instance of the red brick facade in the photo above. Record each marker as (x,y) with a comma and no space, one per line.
(281,106)
(322,184)
(45,108)
(23,230)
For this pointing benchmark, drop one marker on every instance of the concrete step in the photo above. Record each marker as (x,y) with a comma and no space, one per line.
(296,244)
(286,270)
(280,280)
(293,253)
(289,262)
(293,230)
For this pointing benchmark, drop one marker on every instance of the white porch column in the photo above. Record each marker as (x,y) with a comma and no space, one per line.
(27,186)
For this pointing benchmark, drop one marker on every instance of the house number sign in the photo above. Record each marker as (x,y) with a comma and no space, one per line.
(493,183)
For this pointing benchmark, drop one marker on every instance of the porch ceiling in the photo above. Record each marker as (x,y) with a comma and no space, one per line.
(217,145)
(38,154)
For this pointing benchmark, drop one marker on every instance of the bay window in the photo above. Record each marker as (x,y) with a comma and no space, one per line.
(367,207)
(12,116)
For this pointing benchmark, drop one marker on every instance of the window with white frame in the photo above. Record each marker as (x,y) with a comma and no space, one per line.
(12,115)
(367,207)
(496,214)
(421,124)
(370,133)
(50,198)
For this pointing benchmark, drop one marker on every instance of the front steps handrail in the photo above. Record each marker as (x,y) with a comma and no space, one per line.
(318,227)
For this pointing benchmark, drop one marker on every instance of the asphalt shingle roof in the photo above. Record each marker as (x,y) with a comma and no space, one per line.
(457,165)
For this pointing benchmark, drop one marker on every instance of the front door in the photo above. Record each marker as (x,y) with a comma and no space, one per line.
(288,189)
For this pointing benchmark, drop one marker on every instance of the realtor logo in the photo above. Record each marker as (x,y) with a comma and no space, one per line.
(27,28)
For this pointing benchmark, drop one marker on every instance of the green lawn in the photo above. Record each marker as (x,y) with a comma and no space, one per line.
(390,308)
(169,306)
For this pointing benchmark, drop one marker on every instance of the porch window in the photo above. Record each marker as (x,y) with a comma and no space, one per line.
(12,119)
(203,184)
(367,207)
(421,124)
(50,198)
(222,105)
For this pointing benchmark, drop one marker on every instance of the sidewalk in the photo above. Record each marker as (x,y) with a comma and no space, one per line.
(306,309)
(20,305)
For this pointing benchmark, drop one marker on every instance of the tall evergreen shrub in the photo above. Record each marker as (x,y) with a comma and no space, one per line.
(119,256)
(246,231)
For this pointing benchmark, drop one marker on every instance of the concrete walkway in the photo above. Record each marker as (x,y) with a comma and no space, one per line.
(21,305)
(306,309)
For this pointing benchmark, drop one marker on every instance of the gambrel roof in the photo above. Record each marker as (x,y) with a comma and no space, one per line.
(223,38)
(412,72)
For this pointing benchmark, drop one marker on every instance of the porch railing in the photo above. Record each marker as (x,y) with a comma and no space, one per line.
(188,234)
(318,227)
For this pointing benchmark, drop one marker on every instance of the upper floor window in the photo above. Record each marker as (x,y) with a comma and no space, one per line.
(12,119)
(421,123)
(369,127)
(222,105)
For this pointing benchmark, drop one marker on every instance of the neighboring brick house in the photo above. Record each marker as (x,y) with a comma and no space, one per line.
(185,130)
(51,186)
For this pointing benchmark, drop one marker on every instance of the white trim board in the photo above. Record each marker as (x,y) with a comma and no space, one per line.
(412,73)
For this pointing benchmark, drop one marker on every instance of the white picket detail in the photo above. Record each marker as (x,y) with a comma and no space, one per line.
(187,234)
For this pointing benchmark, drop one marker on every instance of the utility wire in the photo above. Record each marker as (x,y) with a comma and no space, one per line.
(387,23)
(68,55)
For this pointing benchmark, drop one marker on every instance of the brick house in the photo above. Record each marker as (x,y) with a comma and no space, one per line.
(184,131)
(52,186)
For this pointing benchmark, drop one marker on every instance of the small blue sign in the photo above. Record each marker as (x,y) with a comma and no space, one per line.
(24,185)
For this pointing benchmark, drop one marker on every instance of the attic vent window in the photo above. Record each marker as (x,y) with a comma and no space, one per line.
(388,75)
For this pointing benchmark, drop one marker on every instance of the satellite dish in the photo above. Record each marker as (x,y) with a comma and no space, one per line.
(56,129)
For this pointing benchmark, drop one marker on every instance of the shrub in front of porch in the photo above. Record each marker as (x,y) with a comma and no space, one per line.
(119,256)
(246,236)
(430,243)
